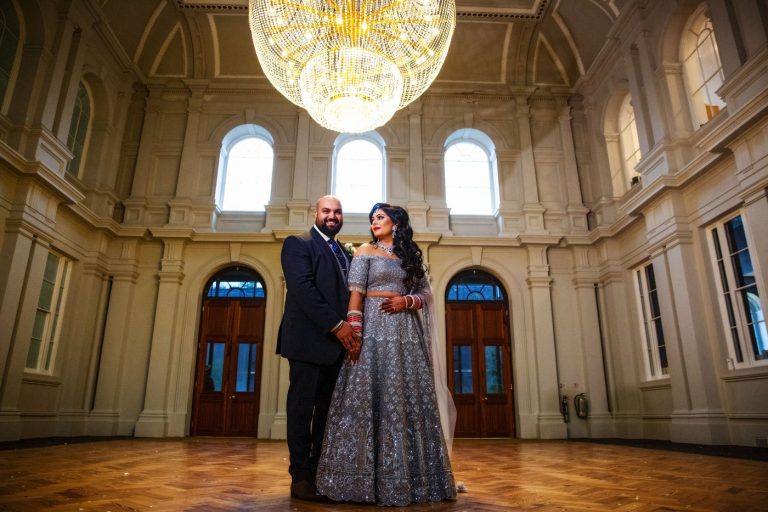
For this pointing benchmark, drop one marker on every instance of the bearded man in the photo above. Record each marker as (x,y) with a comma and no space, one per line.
(313,336)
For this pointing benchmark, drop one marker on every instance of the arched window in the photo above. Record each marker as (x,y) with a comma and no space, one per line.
(77,140)
(235,283)
(470,173)
(245,169)
(358,171)
(476,286)
(630,145)
(703,73)
(9,44)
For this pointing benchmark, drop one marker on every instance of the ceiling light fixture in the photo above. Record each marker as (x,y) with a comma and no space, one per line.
(351,63)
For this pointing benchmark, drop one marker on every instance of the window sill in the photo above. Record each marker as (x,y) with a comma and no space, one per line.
(663,382)
(759,371)
(41,379)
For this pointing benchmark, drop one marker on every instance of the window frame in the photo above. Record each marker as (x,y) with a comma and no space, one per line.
(77,173)
(740,352)
(342,140)
(649,321)
(230,140)
(626,106)
(690,55)
(485,143)
(51,331)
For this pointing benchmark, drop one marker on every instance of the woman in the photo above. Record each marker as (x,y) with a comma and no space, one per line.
(384,438)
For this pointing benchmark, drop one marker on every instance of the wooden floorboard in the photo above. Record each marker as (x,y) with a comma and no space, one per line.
(231,474)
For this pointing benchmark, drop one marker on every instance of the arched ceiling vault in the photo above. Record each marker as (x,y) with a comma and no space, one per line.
(497,45)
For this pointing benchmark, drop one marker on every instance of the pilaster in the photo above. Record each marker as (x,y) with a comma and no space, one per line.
(161,387)
(697,409)
(551,425)
(20,300)
(105,415)
(533,211)
(136,205)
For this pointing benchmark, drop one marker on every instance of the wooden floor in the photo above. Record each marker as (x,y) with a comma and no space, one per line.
(217,474)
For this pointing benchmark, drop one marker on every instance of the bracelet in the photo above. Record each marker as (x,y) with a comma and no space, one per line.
(417,303)
(406,297)
(355,319)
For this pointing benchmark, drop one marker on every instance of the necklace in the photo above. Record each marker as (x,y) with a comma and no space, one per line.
(389,249)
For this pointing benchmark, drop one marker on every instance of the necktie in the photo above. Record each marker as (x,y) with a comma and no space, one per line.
(339,255)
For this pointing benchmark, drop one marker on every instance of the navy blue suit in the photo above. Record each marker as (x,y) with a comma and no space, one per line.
(316,301)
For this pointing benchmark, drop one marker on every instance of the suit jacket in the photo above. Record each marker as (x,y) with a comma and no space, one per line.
(316,300)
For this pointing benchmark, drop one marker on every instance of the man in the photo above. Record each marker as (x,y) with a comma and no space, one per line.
(313,336)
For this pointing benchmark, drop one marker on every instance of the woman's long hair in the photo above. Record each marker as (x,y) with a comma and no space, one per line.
(403,245)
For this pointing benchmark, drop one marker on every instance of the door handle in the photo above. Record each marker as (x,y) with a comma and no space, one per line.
(485,398)
(232,396)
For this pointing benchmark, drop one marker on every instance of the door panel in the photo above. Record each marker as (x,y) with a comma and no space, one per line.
(480,368)
(462,367)
(229,368)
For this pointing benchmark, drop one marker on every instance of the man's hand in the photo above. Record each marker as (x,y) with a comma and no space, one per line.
(346,336)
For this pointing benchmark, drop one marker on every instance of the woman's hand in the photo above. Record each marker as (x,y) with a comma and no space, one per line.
(393,305)
(353,353)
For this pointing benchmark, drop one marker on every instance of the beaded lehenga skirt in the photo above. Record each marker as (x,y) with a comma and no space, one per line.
(383,439)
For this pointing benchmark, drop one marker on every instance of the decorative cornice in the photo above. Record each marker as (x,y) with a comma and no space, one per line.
(535,13)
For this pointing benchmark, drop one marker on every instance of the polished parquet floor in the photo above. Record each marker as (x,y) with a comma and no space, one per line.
(236,474)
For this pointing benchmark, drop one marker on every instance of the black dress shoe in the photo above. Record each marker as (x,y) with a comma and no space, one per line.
(306,490)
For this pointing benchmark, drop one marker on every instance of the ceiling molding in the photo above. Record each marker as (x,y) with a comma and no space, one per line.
(471,9)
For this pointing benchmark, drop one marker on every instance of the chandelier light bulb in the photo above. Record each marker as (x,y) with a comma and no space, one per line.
(351,63)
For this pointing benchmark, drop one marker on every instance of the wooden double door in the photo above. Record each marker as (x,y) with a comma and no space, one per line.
(479,368)
(228,376)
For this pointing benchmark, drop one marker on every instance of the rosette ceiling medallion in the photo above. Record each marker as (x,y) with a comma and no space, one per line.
(351,63)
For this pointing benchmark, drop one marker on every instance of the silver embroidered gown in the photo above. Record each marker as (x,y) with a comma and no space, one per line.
(383,440)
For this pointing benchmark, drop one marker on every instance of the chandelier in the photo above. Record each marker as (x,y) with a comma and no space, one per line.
(351,63)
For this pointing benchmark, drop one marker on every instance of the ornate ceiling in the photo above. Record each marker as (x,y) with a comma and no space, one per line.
(497,43)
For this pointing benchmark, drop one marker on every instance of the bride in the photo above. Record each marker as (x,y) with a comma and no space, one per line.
(384,439)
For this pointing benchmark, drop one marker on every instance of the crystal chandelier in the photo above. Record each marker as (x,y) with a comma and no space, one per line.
(351,63)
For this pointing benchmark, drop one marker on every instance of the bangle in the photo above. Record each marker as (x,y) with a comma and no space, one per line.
(417,302)
(355,319)
(406,301)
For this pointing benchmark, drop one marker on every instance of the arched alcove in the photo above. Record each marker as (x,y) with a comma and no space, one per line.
(229,355)
(479,354)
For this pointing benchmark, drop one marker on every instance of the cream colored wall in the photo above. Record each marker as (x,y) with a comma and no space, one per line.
(128,343)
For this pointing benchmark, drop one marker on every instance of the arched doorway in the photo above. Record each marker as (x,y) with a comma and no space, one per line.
(229,353)
(479,355)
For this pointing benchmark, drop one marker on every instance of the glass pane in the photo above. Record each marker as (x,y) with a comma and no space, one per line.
(39,327)
(51,267)
(34,353)
(651,277)
(737,239)
(742,267)
(236,282)
(474,285)
(359,175)
(692,70)
(248,178)
(734,331)
(756,322)
(708,58)
(468,180)
(246,367)
(655,309)
(462,369)
(214,366)
(494,371)
(661,344)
